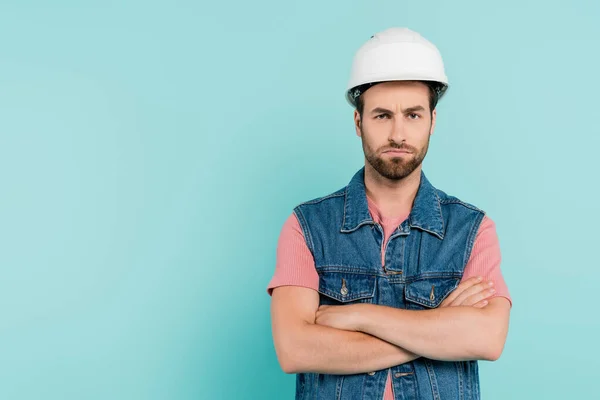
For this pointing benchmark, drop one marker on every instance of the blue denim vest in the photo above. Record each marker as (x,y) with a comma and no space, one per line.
(424,261)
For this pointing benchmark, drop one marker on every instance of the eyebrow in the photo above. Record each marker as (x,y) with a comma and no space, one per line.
(381,110)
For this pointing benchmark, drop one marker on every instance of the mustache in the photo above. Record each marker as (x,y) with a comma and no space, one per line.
(395,146)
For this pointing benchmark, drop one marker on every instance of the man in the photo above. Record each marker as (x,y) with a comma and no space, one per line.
(389,288)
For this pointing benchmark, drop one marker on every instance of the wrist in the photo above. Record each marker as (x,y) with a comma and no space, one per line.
(361,312)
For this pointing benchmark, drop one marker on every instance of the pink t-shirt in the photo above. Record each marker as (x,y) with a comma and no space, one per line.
(295,265)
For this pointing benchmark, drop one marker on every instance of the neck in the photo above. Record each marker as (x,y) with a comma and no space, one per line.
(392,197)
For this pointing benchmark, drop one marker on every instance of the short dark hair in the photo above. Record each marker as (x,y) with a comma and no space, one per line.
(435,89)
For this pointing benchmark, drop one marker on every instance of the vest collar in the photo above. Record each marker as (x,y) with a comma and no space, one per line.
(426,212)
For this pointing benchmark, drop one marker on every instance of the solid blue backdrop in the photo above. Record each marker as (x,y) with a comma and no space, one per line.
(150,152)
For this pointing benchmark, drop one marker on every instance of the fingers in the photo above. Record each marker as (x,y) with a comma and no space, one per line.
(481,304)
(484,288)
(478,297)
(461,288)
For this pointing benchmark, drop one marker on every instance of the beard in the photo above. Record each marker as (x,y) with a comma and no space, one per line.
(394,168)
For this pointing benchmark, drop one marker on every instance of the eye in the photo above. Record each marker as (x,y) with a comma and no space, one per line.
(382,116)
(414,116)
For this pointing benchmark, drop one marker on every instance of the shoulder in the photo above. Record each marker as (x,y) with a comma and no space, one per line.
(487,229)
(340,193)
(453,201)
(330,204)
(291,224)
(449,200)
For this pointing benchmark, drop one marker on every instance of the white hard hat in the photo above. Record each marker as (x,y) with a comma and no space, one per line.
(396,54)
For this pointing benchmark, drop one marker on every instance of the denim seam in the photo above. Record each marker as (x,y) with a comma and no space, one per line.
(321,269)
(462,203)
(338,389)
(432,380)
(338,193)
(307,236)
(475,380)
(439,203)
(345,202)
(346,269)
(461,394)
(365,294)
(471,238)
(437,234)
(402,254)
(347,299)
(361,223)
(429,303)
(432,275)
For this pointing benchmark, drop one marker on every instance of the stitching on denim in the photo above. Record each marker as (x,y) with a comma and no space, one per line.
(337,193)
(346,299)
(461,389)
(402,254)
(441,214)
(433,380)
(454,200)
(475,372)
(307,236)
(441,236)
(415,384)
(425,301)
(432,275)
(471,238)
(368,293)
(366,270)
(338,389)
(300,385)
(361,223)
(345,200)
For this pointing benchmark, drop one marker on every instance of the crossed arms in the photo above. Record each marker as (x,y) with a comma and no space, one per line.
(364,337)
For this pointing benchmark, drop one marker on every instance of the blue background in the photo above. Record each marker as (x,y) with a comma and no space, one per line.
(151,150)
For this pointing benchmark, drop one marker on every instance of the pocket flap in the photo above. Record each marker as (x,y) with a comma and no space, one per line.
(430,292)
(344,286)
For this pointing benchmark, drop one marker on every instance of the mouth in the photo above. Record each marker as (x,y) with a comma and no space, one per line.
(396,152)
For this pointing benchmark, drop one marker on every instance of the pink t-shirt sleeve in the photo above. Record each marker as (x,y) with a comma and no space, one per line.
(485,258)
(294,264)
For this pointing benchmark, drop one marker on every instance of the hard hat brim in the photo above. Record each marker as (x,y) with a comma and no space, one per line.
(351,97)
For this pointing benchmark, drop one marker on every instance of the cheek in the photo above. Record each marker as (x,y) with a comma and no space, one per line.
(375,130)
(419,131)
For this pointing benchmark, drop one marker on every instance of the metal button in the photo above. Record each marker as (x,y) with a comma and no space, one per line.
(344,290)
(371,373)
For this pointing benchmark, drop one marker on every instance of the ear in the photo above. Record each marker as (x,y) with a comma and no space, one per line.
(433,118)
(357,122)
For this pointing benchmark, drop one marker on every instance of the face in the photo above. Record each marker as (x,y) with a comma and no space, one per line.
(395,127)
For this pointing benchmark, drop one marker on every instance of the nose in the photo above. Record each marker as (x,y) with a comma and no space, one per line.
(397,131)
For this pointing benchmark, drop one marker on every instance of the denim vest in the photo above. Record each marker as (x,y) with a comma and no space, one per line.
(424,261)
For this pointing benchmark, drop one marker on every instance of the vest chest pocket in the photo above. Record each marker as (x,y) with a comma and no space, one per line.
(428,292)
(338,288)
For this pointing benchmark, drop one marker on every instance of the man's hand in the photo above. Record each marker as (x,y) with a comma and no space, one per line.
(339,317)
(447,333)
(472,292)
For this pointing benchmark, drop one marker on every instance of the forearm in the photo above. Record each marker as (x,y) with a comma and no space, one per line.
(448,334)
(321,349)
